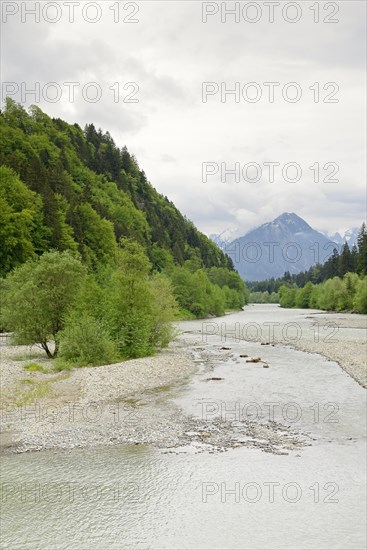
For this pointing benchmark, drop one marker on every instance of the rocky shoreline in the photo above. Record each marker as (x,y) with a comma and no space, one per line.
(125,403)
(131,402)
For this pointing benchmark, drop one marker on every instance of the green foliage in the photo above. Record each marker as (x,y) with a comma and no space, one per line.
(131,303)
(64,188)
(118,313)
(38,296)
(84,341)
(164,311)
(161,258)
(287,296)
(63,234)
(21,230)
(235,291)
(97,243)
(190,290)
(264,297)
(336,294)
(360,297)
(3,289)
(332,295)
(67,194)
(210,292)
(362,251)
(34,367)
(303,296)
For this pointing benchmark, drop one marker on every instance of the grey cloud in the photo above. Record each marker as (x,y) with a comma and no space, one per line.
(169,54)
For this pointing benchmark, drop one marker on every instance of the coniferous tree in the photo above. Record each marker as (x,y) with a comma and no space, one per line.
(362,250)
(345,261)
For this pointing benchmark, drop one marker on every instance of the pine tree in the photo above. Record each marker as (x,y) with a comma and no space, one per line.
(345,261)
(362,251)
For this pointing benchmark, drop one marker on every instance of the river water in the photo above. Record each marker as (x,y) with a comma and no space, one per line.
(141,497)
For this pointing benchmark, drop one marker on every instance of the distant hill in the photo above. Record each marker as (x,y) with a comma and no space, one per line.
(287,243)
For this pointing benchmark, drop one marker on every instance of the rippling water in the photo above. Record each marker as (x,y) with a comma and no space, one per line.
(140,497)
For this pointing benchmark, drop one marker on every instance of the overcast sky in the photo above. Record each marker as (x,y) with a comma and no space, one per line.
(169,52)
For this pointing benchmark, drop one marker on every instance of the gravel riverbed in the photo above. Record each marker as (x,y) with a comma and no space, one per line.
(131,402)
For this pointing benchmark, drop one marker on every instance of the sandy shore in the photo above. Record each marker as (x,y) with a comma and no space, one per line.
(126,402)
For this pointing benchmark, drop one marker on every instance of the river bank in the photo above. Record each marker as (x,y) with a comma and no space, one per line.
(127,402)
(86,406)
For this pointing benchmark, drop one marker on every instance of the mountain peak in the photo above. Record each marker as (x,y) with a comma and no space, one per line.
(288,243)
(291,217)
(288,215)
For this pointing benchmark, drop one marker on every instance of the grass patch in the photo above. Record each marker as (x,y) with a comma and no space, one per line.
(35,367)
(63,365)
(37,390)
(28,391)
(184,315)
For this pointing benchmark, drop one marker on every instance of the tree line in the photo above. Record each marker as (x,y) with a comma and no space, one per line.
(337,294)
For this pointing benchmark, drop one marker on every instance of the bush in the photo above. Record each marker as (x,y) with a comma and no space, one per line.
(39,294)
(287,296)
(360,298)
(164,311)
(208,292)
(138,306)
(264,297)
(303,296)
(217,300)
(86,342)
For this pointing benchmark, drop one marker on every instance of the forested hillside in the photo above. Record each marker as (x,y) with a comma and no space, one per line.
(65,188)
(94,262)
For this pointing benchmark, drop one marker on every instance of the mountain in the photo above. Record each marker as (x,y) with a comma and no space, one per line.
(222,239)
(288,243)
(350,236)
(67,188)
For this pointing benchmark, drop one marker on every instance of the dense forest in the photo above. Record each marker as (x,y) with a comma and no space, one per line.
(88,246)
(64,188)
(340,284)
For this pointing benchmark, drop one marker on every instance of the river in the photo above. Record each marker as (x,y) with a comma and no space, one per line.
(246,497)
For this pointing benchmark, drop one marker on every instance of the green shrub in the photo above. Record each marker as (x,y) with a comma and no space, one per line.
(303,296)
(85,341)
(287,296)
(164,311)
(360,298)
